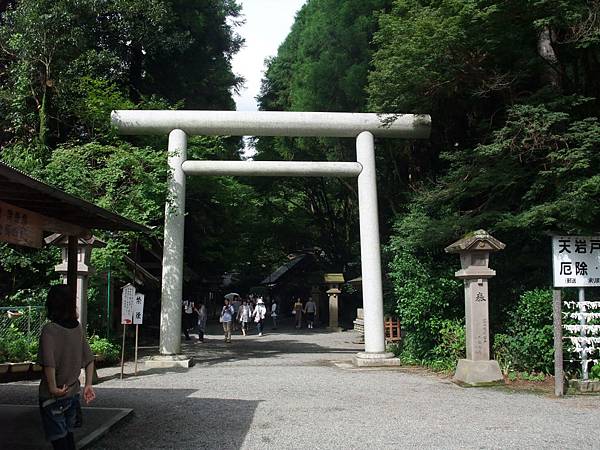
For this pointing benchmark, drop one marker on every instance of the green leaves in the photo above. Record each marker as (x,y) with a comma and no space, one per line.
(426,295)
(104,350)
(529,342)
(64,64)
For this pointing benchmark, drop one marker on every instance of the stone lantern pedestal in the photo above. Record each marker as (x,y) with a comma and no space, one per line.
(474,251)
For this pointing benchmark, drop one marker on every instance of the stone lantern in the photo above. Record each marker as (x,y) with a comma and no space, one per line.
(84,269)
(333,295)
(474,250)
(333,281)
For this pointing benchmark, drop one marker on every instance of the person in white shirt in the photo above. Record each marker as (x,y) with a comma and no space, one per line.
(243,316)
(310,310)
(260,312)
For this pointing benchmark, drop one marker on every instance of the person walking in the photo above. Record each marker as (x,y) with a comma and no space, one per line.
(202,316)
(235,303)
(63,351)
(274,313)
(226,319)
(310,309)
(188,318)
(252,306)
(243,316)
(260,312)
(297,311)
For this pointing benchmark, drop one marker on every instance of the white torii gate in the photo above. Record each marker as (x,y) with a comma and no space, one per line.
(362,126)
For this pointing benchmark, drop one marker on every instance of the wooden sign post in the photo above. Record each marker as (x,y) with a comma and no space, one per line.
(138,317)
(575,263)
(128,300)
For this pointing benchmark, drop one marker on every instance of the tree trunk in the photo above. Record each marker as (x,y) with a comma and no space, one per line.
(552,73)
(43,131)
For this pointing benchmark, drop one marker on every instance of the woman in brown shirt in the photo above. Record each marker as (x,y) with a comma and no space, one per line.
(63,352)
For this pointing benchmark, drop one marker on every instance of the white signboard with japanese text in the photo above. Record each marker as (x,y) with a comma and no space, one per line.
(128,301)
(576,261)
(138,309)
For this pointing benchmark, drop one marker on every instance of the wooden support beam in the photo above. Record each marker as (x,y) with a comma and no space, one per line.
(58,226)
(72,266)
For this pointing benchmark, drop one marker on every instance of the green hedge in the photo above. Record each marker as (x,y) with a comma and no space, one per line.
(16,346)
(528,343)
(106,350)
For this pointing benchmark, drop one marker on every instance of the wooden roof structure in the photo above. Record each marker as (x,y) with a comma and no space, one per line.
(80,216)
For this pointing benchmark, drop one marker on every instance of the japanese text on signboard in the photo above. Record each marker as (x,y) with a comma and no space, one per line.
(576,261)
(127,305)
(138,309)
(19,226)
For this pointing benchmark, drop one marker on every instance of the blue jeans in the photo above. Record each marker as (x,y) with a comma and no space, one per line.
(259,326)
(58,416)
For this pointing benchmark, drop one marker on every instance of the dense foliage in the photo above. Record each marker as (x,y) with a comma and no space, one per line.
(63,67)
(513,92)
(16,346)
(528,344)
(104,350)
(322,66)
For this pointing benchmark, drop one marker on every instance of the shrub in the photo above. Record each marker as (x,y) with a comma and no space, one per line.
(3,351)
(529,343)
(595,372)
(32,349)
(503,352)
(16,346)
(427,296)
(451,341)
(105,349)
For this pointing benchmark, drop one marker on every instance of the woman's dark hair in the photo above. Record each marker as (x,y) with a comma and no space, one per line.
(60,304)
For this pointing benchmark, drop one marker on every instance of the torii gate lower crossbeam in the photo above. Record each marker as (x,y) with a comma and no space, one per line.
(362,126)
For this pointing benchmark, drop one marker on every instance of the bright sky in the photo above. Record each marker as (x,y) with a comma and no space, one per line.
(268,22)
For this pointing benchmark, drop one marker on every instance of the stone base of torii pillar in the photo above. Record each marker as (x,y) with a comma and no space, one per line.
(169,361)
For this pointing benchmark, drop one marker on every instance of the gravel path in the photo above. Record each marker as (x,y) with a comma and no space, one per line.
(298,390)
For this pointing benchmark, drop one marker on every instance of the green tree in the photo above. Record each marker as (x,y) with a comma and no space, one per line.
(321,66)
(54,52)
(65,65)
(513,95)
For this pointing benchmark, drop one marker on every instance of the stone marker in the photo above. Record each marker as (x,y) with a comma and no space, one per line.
(474,250)
(333,282)
(333,294)
(359,327)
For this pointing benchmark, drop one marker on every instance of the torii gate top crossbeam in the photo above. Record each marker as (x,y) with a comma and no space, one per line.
(272,123)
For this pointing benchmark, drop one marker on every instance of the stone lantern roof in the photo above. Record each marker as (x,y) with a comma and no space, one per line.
(479,240)
(60,239)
